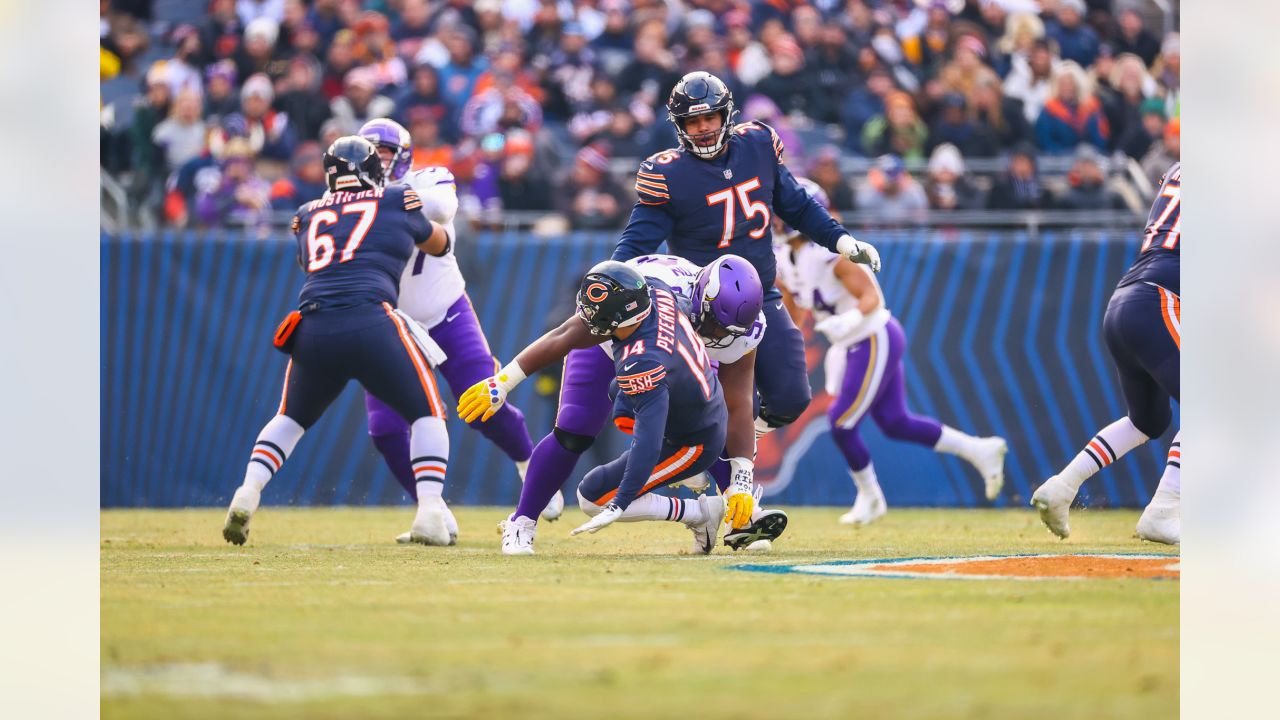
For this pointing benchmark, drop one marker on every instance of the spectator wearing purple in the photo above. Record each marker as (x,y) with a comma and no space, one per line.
(424,92)
(233,191)
(250,10)
(360,101)
(567,73)
(1133,36)
(591,199)
(1076,40)
(1019,188)
(305,181)
(1072,116)
(300,98)
(220,98)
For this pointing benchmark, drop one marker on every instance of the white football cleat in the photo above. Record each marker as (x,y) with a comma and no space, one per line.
(867,508)
(698,483)
(554,509)
(243,505)
(706,532)
(431,524)
(1161,521)
(517,535)
(1053,500)
(989,460)
(406,538)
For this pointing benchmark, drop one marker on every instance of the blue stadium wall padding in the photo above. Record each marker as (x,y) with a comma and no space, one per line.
(1004,337)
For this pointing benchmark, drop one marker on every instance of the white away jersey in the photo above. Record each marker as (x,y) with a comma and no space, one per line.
(431,285)
(680,274)
(809,273)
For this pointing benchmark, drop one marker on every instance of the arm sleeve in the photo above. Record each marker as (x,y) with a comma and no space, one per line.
(797,209)
(651,222)
(650,409)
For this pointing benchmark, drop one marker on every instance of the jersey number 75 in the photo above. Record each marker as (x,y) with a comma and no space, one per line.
(742,193)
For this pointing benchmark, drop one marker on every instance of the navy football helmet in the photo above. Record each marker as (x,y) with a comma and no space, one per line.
(352,163)
(699,93)
(612,295)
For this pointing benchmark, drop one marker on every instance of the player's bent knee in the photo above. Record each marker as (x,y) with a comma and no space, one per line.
(573,442)
(589,507)
(777,420)
(1151,424)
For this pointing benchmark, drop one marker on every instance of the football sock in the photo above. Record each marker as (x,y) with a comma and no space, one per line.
(954,442)
(1109,445)
(651,506)
(274,445)
(1171,481)
(865,480)
(549,468)
(429,450)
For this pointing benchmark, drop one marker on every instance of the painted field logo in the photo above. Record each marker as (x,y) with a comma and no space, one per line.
(994,567)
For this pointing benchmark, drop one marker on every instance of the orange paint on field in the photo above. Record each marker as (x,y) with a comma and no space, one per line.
(1052,566)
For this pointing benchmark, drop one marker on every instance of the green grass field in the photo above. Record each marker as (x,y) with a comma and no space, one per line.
(321,615)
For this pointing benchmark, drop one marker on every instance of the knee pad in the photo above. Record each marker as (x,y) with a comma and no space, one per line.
(588,507)
(573,442)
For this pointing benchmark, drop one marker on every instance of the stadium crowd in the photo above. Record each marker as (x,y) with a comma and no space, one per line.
(219,112)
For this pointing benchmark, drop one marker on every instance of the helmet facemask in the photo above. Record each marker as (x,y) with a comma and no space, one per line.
(705,152)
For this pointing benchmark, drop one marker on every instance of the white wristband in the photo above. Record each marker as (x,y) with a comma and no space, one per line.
(846,245)
(510,376)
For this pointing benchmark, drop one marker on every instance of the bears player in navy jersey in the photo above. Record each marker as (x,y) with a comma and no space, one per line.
(669,399)
(1143,328)
(353,244)
(433,292)
(718,193)
(725,310)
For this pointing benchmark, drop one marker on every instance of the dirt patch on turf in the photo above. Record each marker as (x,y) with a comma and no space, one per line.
(1051,566)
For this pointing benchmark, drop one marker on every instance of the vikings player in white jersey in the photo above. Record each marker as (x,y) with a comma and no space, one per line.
(433,292)
(864,369)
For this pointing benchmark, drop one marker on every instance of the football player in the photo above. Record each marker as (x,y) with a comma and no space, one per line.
(1143,328)
(669,399)
(863,367)
(354,243)
(433,292)
(718,193)
(725,311)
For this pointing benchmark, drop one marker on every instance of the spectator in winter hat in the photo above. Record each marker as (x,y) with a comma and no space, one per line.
(1072,116)
(899,131)
(1076,40)
(890,193)
(1164,152)
(257,55)
(591,198)
(220,98)
(272,135)
(360,101)
(183,68)
(1134,36)
(1021,31)
(947,187)
(424,92)
(522,186)
(1087,180)
(1019,188)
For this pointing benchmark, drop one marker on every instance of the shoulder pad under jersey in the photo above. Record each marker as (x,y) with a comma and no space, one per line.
(756,129)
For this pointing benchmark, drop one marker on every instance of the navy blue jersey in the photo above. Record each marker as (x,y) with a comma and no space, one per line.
(1160,261)
(666,382)
(704,209)
(354,245)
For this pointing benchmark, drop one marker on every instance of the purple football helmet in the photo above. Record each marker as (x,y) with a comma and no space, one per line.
(727,299)
(391,135)
(817,193)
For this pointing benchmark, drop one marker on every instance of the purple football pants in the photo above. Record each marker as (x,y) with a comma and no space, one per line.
(469,362)
(584,409)
(873,383)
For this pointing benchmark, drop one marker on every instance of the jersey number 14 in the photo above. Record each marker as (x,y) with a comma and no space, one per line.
(742,194)
(320,246)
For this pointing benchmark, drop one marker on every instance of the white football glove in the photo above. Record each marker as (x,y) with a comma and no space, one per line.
(740,495)
(859,252)
(839,327)
(606,518)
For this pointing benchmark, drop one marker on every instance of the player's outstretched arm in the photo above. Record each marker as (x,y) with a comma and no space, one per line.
(738,381)
(437,243)
(486,397)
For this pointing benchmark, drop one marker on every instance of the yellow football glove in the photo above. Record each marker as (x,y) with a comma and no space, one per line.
(487,397)
(740,500)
